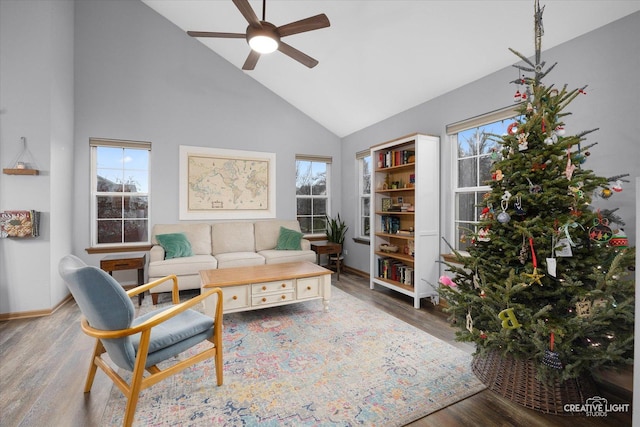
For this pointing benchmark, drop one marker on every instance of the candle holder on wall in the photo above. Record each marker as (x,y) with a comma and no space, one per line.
(23,164)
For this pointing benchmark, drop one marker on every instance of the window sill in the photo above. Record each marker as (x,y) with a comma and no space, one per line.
(112,249)
(362,241)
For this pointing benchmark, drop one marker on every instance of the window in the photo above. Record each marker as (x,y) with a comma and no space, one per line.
(475,149)
(363,159)
(312,193)
(119,192)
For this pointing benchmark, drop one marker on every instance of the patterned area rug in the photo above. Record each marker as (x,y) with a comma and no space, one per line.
(297,365)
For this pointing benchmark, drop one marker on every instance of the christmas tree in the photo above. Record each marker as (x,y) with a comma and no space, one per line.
(547,276)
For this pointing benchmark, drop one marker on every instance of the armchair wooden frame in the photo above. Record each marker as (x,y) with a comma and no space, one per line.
(138,381)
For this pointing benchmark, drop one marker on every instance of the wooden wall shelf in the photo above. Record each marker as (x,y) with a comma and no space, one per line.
(20,171)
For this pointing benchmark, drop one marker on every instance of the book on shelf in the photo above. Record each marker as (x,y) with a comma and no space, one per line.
(390,158)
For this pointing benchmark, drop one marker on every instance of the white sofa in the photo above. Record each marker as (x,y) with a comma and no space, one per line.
(221,245)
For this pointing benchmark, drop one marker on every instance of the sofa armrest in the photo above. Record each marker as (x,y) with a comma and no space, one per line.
(305,245)
(156,253)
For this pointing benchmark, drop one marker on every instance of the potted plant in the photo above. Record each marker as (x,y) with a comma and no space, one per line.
(336,229)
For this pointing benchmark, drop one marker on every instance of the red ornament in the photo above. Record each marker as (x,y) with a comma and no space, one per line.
(513,128)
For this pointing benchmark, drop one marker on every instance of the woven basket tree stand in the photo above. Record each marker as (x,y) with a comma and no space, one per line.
(515,379)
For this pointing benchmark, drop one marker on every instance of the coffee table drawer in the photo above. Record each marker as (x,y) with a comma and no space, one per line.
(271,298)
(268,287)
(308,287)
(235,297)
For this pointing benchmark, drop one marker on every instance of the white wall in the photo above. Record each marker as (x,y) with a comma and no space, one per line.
(36,101)
(607,59)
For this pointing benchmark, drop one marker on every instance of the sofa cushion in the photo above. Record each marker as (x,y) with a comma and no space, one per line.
(239,259)
(289,240)
(182,266)
(198,234)
(232,237)
(267,232)
(274,256)
(175,245)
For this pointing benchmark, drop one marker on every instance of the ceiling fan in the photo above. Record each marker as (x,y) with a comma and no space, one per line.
(264,37)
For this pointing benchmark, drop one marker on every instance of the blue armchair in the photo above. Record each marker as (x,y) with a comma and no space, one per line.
(139,344)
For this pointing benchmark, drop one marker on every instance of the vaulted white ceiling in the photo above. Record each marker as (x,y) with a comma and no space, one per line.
(379,58)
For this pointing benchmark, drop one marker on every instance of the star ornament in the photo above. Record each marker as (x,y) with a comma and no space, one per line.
(535,276)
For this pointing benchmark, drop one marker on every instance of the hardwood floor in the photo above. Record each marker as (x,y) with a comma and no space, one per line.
(43,363)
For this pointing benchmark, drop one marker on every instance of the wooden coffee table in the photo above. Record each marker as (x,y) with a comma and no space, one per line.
(269,285)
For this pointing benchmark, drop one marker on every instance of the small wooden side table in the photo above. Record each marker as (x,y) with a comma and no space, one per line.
(136,261)
(328,248)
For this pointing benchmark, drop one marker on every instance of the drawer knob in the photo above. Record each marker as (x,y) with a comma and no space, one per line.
(284,285)
(235,297)
(264,300)
(283,297)
(264,288)
(308,288)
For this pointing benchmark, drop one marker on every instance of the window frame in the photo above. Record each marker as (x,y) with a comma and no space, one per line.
(452,130)
(361,217)
(315,159)
(94,144)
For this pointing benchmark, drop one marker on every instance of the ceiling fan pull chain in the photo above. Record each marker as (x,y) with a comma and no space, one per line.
(264,10)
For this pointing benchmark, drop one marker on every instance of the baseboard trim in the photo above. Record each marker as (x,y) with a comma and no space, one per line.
(355,271)
(34,313)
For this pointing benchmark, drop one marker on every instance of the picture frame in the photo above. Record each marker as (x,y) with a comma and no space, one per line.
(218,183)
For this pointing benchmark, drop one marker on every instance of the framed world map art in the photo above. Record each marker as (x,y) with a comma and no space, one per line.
(219,183)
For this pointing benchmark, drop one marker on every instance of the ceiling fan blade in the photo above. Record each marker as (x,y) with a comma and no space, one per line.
(303,25)
(251,61)
(221,35)
(294,53)
(245,9)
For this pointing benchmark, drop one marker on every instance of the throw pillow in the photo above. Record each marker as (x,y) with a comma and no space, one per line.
(289,240)
(175,245)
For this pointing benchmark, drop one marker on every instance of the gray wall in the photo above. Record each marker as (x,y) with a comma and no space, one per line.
(139,77)
(36,101)
(607,59)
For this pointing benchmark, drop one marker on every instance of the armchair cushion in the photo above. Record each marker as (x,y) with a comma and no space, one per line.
(289,240)
(175,245)
(172,332)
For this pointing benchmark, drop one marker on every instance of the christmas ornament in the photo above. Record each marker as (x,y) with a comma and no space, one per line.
(568,172)
(535,276)
(523,251)
(506,196)
(548,140)
(523,144)
(534,189)
(551,358)
(469,322)
(483,235)
(518,206)
(606,193)
(509,319)
(487,212)
(618,187)
(583,308)
(497,175)
(560,131)
(517,96)
(619,239)
(504,217)
(494,155)
(600,232)
(446,281)
(513,128)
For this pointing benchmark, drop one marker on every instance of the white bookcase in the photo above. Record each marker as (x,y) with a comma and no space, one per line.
(405,216)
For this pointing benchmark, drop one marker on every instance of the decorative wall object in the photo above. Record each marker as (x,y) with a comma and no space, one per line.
(226,184)
(19,224)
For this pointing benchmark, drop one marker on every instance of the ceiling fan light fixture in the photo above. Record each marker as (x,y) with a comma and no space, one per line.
(262,43)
